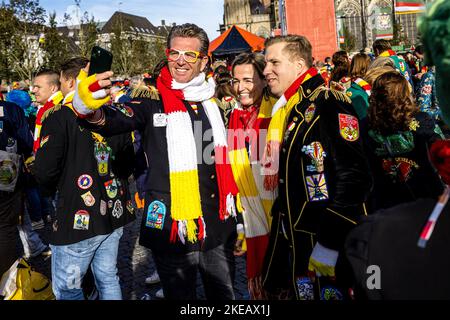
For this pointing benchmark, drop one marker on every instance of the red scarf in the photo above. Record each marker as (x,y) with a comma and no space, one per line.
(187,208)
(57,98)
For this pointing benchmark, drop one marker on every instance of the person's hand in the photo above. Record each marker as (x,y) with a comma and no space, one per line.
(240,246)
(322,261)
(90,92)
(29,165)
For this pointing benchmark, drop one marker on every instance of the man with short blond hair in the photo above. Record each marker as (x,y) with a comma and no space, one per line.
(314,160)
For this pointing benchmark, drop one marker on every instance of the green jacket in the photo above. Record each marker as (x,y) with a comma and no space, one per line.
(360,100)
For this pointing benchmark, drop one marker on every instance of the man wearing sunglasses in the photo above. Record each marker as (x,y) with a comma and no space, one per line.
(189,219)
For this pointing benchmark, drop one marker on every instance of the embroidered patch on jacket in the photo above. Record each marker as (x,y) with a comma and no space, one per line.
(111,188)
(309,113)
(156,214)
(317,187)
(84,181)
(127,111)
(315,152)
(289,129)
(305,288)
(88,199)
(118,209)
(102,152)
(102,207)
(81,220)
(400,169)
(413,125)
(44,140)
(348,127)
(130,207)
(330,293)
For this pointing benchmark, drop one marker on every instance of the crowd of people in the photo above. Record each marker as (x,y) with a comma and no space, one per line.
(289,161)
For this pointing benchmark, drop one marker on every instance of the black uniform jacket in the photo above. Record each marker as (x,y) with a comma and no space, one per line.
(145,115)
(15,138)
(388,264)
(323,182)
(89,203)
(405,173)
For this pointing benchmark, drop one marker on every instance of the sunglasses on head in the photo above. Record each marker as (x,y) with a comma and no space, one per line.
(189,56)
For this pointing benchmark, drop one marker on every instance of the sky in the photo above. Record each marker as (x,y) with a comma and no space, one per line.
(207,14)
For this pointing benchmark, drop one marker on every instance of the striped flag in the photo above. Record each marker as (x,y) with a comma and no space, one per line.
(409,6)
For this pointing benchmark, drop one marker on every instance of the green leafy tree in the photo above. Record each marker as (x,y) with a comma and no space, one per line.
(55,46)
(86,31)
(26,48)
(349,39)
(8,29)
(156,52)
(122,47)
(88,35)
(399,37)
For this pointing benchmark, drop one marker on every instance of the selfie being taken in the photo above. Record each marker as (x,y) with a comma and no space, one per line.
(217,157)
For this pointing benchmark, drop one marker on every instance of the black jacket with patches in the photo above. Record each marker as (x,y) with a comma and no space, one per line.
(157,183)
(65,156)
(404,173)
(323,183)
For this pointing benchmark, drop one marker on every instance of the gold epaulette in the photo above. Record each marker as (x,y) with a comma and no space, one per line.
(47,113)
(145,92)
(338,95)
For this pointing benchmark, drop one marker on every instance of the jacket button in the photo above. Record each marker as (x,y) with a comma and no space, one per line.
(213,196)
(281,181)
(284,149)
(213,176)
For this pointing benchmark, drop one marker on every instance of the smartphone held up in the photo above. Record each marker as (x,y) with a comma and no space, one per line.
(101,60)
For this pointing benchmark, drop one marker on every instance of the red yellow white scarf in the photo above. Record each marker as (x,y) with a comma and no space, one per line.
(54,100)
(256,202)
(277,127)
(184,182)
(388,53)
(363,84)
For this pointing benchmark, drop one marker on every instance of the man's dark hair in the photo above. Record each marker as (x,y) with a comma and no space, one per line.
(419,49)
(327,59)
(71,68)
(295,46)
(381,45)
(53,76)
(190,30)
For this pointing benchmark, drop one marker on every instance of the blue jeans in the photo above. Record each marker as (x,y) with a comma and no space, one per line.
(70,264)
(39,207)
(31,241)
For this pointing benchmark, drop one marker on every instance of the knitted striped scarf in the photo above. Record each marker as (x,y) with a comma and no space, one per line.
(256,202)
(363,84)
(54,100)
(186,211)
(277,127)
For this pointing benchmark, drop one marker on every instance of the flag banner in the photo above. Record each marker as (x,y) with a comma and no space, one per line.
(384,28)
(340,26)
(409,6)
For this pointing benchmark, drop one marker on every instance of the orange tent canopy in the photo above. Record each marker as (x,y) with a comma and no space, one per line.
(256,43)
